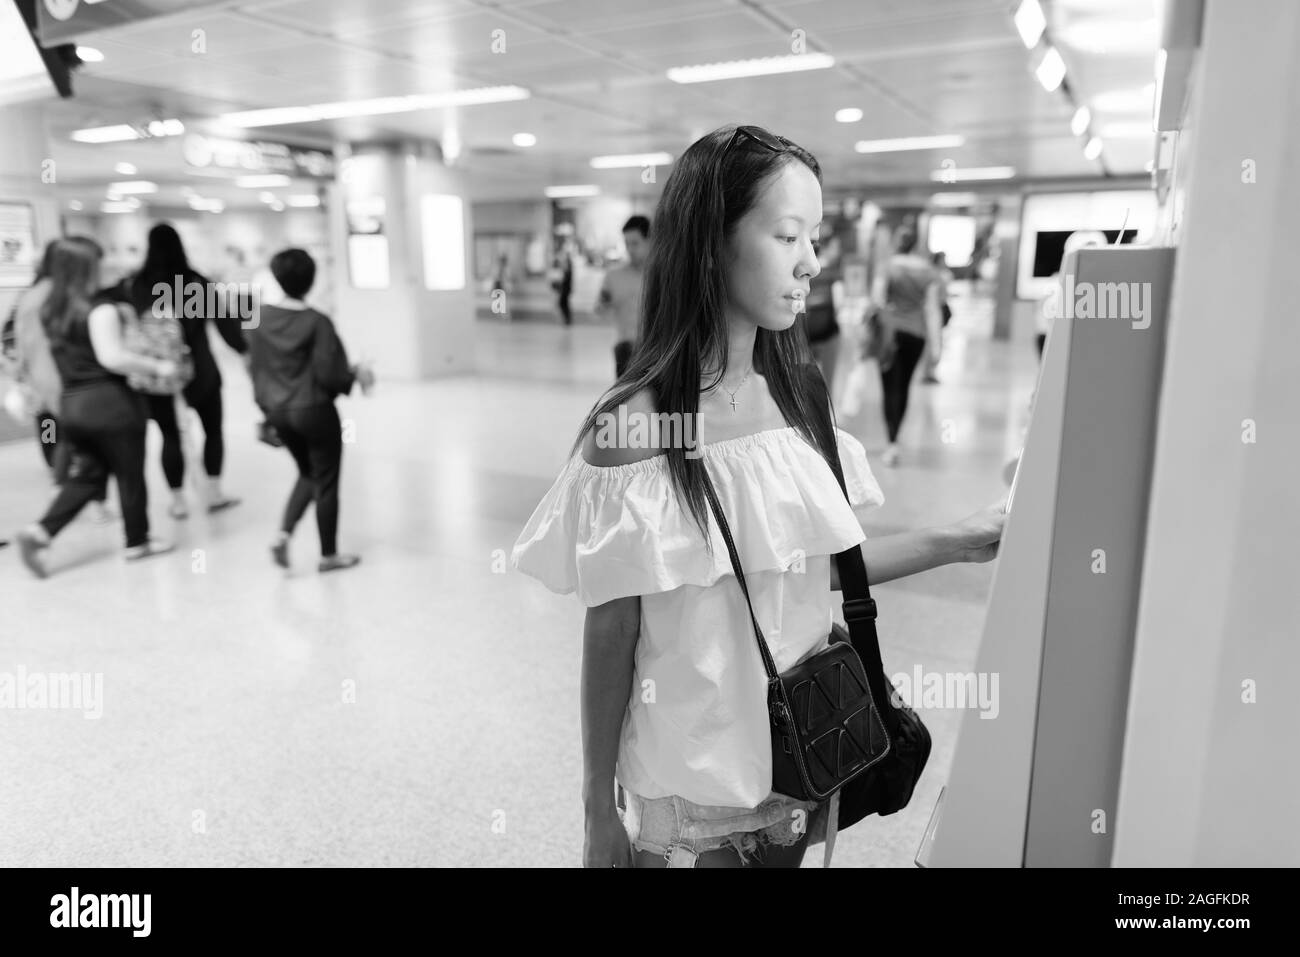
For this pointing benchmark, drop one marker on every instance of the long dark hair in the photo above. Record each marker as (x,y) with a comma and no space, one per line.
(683,323)
(71,266)
(164,260)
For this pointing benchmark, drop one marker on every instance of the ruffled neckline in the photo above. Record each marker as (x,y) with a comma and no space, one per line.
(716,449)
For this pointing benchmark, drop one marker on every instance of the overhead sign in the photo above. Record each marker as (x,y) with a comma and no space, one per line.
(256,156)
(66,21)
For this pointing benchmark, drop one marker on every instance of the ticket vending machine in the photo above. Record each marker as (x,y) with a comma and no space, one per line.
(1037,785)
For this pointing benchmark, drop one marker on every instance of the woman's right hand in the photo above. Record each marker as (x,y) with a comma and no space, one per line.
(606,843)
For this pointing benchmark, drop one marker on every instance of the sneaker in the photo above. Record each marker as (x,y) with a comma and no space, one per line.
(29,549)
(222,504)
(148,550)
(280,553)
(890,457)
(335,562)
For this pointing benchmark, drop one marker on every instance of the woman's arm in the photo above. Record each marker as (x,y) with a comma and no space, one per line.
(974,539)
(105,327)
(608,656)
(934,317)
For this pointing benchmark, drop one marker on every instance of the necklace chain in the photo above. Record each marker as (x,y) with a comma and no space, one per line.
(732,393)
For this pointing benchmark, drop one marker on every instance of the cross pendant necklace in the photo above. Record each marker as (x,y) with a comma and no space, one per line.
(738,388)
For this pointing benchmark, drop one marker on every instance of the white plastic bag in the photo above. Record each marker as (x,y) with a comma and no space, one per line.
(854,388)
(19,403)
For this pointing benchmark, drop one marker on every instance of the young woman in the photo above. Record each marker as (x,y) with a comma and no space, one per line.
(299,367)
(34,367)
(165,263)
(101,418)
(673,690)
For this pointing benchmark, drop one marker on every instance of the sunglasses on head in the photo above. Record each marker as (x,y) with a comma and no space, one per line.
(759,135)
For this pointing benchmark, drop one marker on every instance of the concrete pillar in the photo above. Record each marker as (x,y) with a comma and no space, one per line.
(405,297)
(28,176)
(1004,304)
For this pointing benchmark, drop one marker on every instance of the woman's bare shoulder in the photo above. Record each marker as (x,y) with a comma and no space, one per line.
(616,439)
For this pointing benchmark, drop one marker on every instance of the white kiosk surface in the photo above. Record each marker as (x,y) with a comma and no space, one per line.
(1037,785)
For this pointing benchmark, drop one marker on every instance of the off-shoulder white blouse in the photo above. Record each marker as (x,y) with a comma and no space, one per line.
(697,723)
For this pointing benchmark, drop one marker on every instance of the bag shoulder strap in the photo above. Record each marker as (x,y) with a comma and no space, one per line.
(859,607)
(769,664)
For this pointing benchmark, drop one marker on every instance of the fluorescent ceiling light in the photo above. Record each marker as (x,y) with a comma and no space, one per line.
(166,128)
(106,134)
(1030,23)
(954,199)
(133,186)
(75,205)
(89,55)
(117,207)
(125,169)
(206,205)
(1158,93)
(1051,71)
(262,180)
(1131,129)
(1132,100)
(972,173)
(280,116)
(850,115)
(764,66)
(1110,35)
(909,143)
(21,67)
(303,201)
(561,192)
(630,160)
(1093,149)
(277,206)
(524,139)
(266,197)
(1082,117)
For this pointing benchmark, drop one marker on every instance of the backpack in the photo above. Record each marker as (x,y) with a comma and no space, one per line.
(159,337)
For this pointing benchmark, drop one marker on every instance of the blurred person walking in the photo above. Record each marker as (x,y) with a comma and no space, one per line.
(102,418)
(563,282)
(825,299)
(299,367)
(626,525)
(620,291)
(166,266)
(907,290)
(27,349)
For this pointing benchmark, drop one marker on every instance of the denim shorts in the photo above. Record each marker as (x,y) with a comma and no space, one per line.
(680,830)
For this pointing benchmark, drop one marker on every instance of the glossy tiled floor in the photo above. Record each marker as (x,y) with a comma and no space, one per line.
(421,709)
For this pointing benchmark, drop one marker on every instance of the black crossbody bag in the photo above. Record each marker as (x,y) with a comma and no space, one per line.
(834,722)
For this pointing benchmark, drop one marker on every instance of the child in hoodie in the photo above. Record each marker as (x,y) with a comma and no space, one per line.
(298,367)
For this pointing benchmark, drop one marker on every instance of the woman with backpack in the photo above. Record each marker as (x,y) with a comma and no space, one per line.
(102,418)
(166,265)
